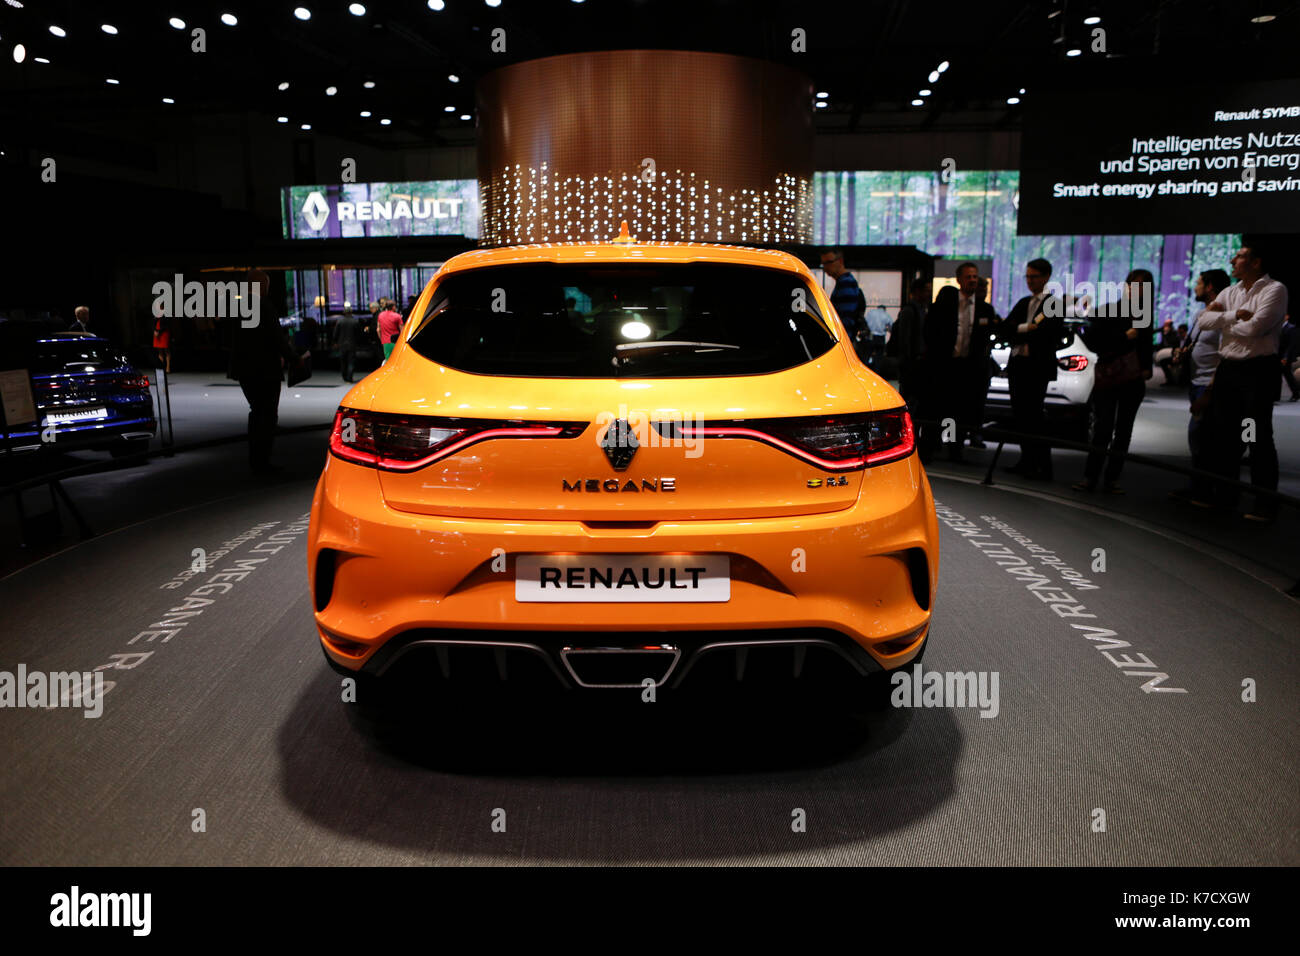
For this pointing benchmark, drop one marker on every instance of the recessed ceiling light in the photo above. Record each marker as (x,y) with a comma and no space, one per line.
(922,92)
(449,109)
(1073,52)
(1022,91)
(369,84)
(58,31)
(436,4)
(168,100)
(111,82)
(821,104)
(365,114)
(918,102)
(41,59)
(465,116)
(283,86)
(943,67)
(1012,100)
(493,3)
(109,29)
(385,122)
(331,90)
(305,126)
(229,19)
(357,9)
(177,23)
(282,119)
(823,96)
(20,53)
(453,78)
(1263,18)
(934,76)
(302,13)
(1091,20)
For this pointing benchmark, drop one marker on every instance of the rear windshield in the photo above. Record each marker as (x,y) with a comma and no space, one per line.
(62,355)
(575,321)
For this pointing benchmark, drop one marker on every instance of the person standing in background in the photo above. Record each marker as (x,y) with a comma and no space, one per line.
(906,342)
(847,299)
(1033,328)
(345,338)
(258,356)
(1249,316)
(390,325)
(80,320)
(938,370)
(878,322)
(1125,355)
(1202,358)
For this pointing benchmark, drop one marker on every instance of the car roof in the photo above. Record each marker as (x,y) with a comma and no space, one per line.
(626,253)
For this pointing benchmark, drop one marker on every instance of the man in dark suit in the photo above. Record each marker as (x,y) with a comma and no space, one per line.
(258,355)
(958,342)
(1034,328)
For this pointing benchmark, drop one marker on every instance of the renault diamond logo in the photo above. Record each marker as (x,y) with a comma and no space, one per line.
(620,444)
(316,211)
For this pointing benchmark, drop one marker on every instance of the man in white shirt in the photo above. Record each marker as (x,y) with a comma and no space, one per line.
(1248,316)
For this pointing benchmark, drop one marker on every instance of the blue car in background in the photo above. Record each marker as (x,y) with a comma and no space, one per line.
(86,395)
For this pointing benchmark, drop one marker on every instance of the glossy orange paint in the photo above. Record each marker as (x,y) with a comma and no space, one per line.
(415,550)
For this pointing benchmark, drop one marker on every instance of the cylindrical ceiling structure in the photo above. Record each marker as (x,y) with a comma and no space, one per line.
(684,146)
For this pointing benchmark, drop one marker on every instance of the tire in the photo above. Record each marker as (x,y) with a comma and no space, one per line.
(129,448)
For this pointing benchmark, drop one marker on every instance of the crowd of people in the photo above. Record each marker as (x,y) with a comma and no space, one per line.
(1232,359)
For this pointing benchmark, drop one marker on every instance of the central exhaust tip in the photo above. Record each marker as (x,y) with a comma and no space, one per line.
(625,667)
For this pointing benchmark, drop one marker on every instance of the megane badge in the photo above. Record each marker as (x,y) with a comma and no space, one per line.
(620,444)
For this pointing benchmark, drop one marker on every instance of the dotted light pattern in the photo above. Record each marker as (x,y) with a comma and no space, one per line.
(532,205)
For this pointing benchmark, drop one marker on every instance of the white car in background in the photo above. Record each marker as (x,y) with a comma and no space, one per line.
(1067,397)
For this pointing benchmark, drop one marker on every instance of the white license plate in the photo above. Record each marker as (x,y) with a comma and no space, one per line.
(80,415)
(622,578)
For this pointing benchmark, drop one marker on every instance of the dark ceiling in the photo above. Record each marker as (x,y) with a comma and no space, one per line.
(871,58)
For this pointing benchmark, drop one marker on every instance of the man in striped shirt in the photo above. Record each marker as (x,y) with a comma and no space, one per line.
(847,298)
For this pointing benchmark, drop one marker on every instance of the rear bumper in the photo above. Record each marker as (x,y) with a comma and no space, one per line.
(856,584)
(80,437)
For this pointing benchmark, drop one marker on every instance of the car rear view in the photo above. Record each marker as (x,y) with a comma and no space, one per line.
(622,466)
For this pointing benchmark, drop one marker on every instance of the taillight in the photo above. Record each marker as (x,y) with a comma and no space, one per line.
(134,381)
(1073,363)
(832,443)
(407,442)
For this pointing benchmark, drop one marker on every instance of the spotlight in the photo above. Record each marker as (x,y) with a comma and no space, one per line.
(466,116)
(302,13)
(449,109)
(282,119)
(823,96)
(229,19)
(365,114)
(453,78)
(177,23)
(283,86)
(369,84)
(436,5)
(357,9)
(305,126)
(1012,100)
(385,122)
(109,29)
(111,82)
(943,67)
(1089,21)
(20,53)
(1075,52)
(58,31)
(168,100)
(331,90)
(934,76)
(918,102)
(493,3)
(821,104)
(922,92)
(1263,18)
(40,59)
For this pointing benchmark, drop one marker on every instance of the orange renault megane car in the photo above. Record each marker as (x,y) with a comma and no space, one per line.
(623,465)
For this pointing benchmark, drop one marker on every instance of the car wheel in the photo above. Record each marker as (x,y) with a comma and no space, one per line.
(130,448)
